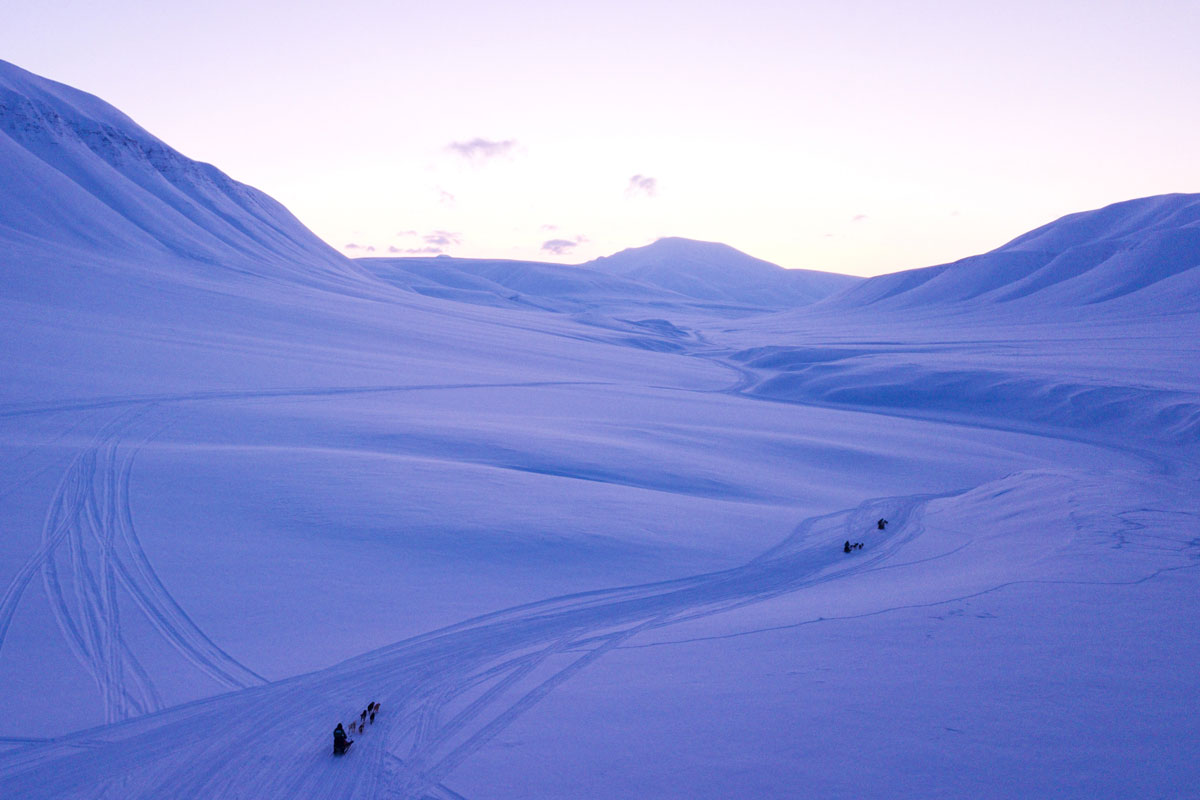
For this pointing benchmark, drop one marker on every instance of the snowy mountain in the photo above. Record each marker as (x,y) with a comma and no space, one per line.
(1141,255)
(1011,335)
(670,272)
(248,486)
(719,273)
(81,177)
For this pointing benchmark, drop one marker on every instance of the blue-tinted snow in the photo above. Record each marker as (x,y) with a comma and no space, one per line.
(579,533)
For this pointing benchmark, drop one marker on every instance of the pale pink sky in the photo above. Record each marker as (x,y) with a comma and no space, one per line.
(859,137)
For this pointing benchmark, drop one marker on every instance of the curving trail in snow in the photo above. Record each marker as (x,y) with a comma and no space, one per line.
(445,694)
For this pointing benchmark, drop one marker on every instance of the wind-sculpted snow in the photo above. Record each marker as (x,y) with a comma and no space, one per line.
(996,393)
(580,533)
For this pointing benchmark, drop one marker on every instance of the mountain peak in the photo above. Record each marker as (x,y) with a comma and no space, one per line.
(690,251)
(716,272)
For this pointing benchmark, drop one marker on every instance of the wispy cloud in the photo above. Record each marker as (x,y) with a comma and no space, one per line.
(479,150)
(432,244)
(415,251)
(366,248)
(641,185)
(560,247)
(442,238)
(858,218)
(447,199)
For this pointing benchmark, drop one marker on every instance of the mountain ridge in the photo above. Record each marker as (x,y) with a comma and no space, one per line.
(1140,255)
(81,174)
(718,272)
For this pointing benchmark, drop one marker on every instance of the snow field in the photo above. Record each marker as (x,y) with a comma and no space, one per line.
(583,540)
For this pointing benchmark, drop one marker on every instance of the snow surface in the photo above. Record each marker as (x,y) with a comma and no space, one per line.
(588,544)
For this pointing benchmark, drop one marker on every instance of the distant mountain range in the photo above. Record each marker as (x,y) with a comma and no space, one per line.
(669,271)
(78,176)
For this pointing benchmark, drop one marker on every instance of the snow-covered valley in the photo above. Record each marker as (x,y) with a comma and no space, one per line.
(579,530)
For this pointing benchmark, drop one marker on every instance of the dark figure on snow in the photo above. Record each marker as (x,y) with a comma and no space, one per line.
(881,524)
(362,718)
(846,547)
(340,742)
(373,708)
(859,545)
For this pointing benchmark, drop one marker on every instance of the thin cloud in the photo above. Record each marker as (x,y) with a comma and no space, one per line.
(549,227)
(560,247)
(858,218)
(415,251)
(446,199)
(641,185)
(432,243)
(366,248)
(442,238)
(479,150)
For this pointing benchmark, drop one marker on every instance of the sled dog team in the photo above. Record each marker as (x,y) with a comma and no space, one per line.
(340,741)
(848,546)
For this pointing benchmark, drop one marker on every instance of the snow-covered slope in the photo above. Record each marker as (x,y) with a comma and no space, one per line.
(517,283)
(1032,332)
(247,487)
(1140,256)
(80,175)
(718,273)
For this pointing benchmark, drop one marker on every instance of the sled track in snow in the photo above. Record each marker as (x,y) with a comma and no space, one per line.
(90,559)
(444,694)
